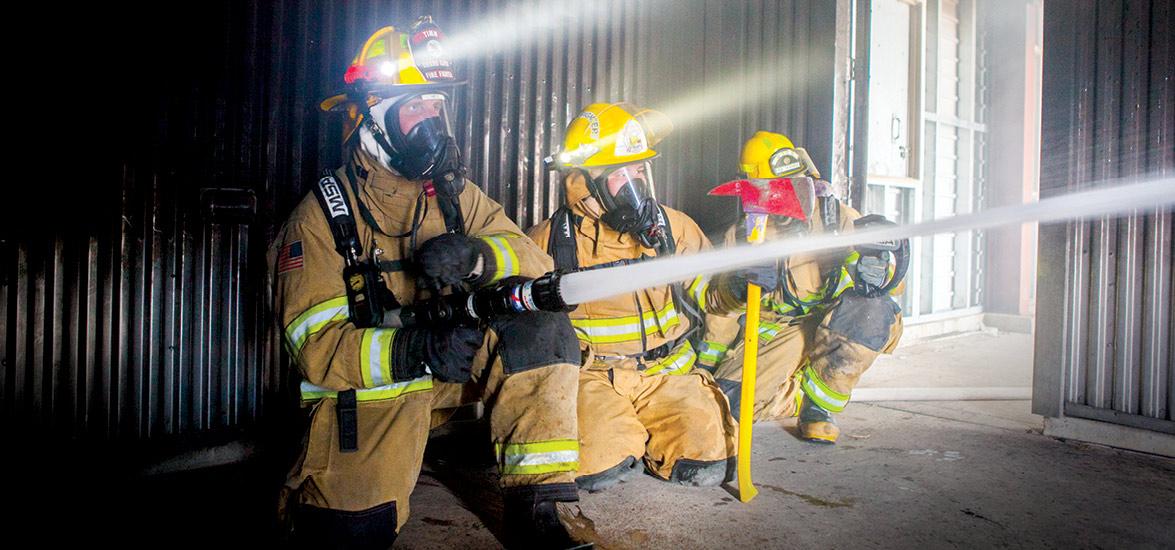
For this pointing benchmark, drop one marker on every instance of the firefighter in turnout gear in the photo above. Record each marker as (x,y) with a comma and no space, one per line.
(825,318)
(642,404)
(396,225)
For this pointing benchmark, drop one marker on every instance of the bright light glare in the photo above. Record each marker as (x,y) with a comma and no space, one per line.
(741,86)
(519,24)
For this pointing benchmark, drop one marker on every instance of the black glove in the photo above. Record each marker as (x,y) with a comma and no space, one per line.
(871,275)
(763,276)
(447,351)
(450,258)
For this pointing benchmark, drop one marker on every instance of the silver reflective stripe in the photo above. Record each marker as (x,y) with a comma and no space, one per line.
(504,256)
(698,290)
(389,391)
(599,328)
(534,459)
(684,361)
(678,363)
(712,352)
(379,343)
(314,319)
(826,399)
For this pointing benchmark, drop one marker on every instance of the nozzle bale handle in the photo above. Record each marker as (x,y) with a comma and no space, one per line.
(509,296)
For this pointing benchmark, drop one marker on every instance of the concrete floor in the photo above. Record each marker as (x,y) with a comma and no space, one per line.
(905,474)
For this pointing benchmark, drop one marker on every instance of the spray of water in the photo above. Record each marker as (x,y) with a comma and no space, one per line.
(587,286)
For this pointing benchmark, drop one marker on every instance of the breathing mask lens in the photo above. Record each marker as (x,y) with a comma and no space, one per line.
(626,194)
(628,186)
(422,137)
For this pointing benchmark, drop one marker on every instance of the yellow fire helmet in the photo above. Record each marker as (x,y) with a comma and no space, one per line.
(393,62)
(771,155)
(611,134)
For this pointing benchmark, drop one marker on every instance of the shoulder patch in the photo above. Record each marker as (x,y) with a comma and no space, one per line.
(290,257)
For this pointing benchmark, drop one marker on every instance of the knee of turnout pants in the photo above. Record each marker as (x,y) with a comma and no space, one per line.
(391,438)
(781,355)
(530,389)
(609,430)
(687,417)
(850,337)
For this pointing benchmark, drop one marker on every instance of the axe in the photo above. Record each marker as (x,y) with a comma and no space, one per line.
(760,199)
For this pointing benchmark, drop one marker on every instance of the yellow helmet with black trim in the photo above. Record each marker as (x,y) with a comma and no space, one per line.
(611,134)
(394,61)
(772,155)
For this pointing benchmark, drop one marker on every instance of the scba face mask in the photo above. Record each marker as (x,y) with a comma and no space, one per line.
(626,196)
(418,138)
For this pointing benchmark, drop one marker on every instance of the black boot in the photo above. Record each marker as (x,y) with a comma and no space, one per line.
(617,474)
(532,518)
(702,473)
(371,529)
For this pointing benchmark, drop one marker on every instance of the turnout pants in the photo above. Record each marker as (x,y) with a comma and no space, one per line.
(532,420)
(821,357)
(664,419)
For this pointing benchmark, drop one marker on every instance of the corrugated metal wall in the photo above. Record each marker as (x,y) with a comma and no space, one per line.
(1105,287)
(147,317)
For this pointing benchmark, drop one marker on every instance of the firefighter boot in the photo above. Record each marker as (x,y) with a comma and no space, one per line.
(816,424)
(619,473)
(545,517)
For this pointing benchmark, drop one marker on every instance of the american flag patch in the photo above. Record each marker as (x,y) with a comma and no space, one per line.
(290,257)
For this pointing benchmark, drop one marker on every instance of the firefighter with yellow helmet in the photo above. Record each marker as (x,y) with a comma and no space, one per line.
(642,404)
(824,318)
(398,225)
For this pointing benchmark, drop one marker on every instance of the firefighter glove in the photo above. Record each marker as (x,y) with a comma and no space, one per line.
(452,258)
(446,351)
(764,276)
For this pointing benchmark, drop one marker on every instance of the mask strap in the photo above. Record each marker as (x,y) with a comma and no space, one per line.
(380,136)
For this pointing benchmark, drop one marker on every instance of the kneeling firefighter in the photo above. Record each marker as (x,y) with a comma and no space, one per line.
(395,228)
(640,397)
(825,318)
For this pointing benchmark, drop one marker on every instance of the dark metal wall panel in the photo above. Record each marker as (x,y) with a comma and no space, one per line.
(1105,335)
(149,318)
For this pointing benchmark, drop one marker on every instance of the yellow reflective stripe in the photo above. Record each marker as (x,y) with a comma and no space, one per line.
(313,320)
(712,352)
(310,392)
(845,282)
(782,308)
(375,356)
(624,329)
(767,331)
(505,259)
(539,457)
(679,362)
(821,394)
(698,289)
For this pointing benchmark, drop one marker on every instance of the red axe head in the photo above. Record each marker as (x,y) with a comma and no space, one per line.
(776,197)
